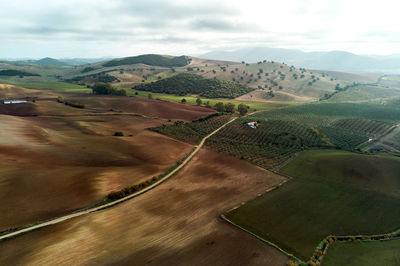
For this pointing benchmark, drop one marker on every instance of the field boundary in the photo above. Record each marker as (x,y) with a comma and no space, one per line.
(223,217)
(12,233)
(323,246)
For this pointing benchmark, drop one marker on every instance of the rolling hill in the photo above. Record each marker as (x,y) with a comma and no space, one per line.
(151,60)
(267,80)
(185,83)
(333,60)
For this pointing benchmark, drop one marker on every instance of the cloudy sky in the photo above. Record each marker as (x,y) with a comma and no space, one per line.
(101,28)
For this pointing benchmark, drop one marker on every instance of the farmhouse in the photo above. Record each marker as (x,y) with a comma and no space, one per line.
(14,101)
(252,124)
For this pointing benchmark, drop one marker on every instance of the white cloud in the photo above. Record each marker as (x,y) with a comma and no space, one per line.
(121,27)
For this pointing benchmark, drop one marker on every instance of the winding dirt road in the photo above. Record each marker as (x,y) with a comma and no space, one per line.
(108,205)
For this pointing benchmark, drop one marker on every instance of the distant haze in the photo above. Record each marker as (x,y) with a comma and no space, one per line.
(333,60)
(116,28)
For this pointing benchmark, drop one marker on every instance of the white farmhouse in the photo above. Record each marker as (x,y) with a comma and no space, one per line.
(14,101)
(252,124)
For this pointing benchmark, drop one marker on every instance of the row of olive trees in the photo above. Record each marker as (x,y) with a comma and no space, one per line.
(230,108)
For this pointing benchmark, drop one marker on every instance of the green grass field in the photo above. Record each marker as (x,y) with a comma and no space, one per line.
(365,93)
(333,192)
(363,253)
(44,84)
(212,102)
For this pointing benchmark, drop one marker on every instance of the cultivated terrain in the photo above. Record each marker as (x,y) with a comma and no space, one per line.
(211,162)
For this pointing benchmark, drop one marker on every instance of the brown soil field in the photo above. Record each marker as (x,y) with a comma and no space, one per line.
(55,158)
(176,223)
(10,91)
(151,108)
(62,164)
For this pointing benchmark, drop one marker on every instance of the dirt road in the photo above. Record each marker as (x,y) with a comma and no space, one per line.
(108,205)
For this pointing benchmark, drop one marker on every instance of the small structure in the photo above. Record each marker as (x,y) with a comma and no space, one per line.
(14,101)
(252,124)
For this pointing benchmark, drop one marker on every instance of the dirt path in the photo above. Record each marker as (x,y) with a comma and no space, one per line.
(111,204)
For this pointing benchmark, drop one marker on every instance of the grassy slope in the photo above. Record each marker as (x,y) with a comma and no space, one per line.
(334,192)
(292,89)
(297,87)
(192,100)
(364,253)
(365,93)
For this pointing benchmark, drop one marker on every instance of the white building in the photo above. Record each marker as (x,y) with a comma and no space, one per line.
(14,101)
(252,124)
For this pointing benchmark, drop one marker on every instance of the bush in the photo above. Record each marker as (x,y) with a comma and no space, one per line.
(230,108)
(220,107)
(118,134)
(242,108)
(74,104)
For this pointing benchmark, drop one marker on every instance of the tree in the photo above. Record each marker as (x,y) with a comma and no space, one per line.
(198,101)
(150,96)
(230,108)
(106,88)
(242,108)
(220,107)
(183,100)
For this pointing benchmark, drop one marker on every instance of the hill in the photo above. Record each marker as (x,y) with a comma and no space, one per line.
(151,60)
(268,80)
(333,60)
(185,83)
(47,61)
(12,72)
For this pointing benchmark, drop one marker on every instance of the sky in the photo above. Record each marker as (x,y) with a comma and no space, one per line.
(117,28)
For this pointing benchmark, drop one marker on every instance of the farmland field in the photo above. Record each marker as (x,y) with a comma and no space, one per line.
(365,93)
(333,192)
(192,100)
(176,224)
(363,253)
(67,158)
(193,132)
(40,83)
(285,131)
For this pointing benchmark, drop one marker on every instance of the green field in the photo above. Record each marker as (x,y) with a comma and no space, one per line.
(43,84)
(193,132)
(283,132)
(365,93)
(212,102)
(363,253)
(333,192)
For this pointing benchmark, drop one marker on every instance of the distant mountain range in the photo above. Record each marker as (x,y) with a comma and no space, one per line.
(334,60)
(47,61)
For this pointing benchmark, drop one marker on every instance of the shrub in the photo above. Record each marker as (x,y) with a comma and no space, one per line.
(118,134)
